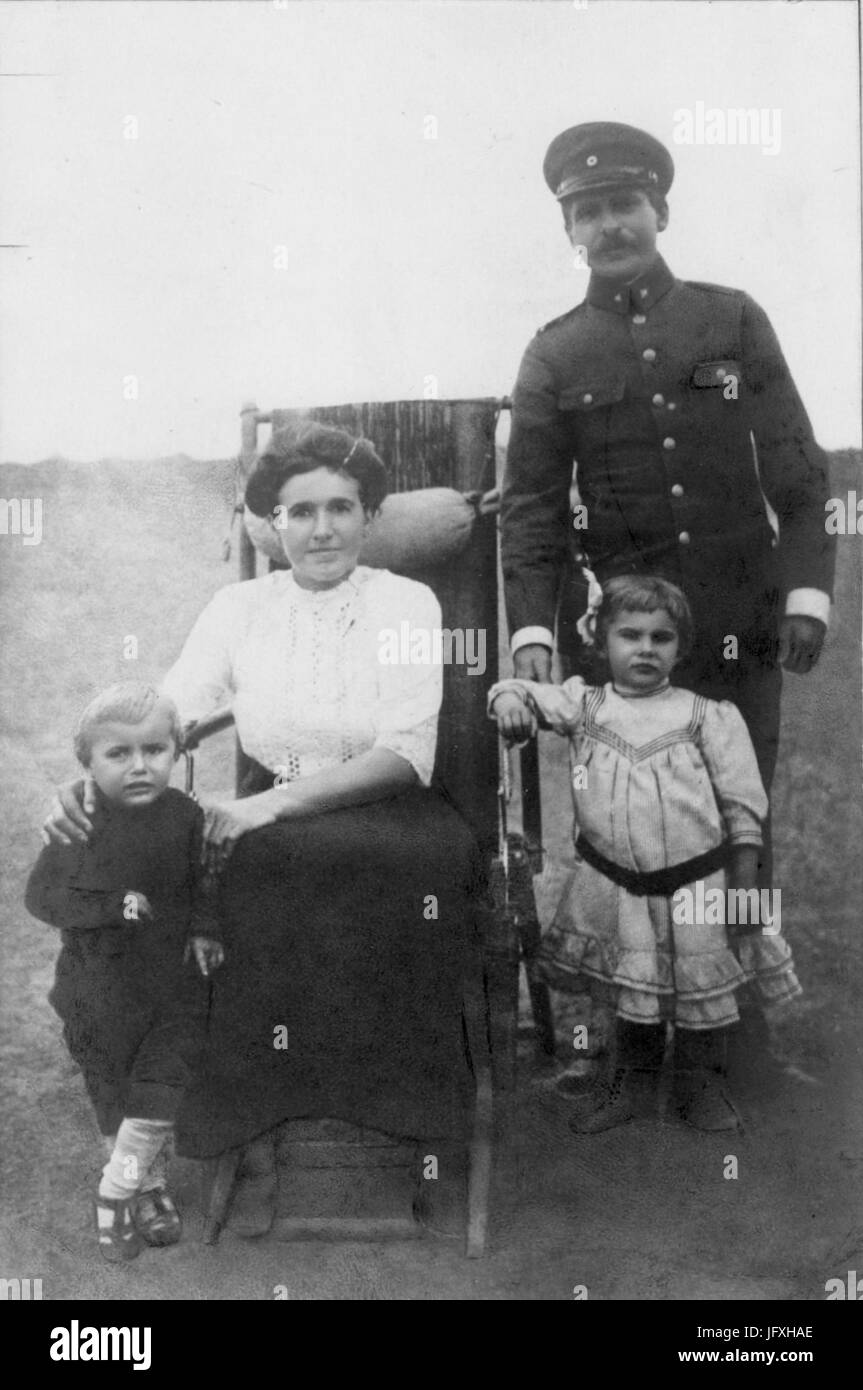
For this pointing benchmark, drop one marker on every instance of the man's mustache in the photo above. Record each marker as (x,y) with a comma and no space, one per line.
(616,243)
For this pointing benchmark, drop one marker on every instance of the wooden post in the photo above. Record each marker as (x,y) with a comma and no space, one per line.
(531,808)
(249,416)
(249,419)
(469,762)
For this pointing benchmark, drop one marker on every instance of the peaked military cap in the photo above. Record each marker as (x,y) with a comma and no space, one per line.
(605,154)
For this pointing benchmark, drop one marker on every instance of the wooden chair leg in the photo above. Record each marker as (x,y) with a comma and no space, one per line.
(540,998)
(543,1015)
(224,1177)
(502,954)
(479,1172)
(480,1146)
(528,937)
(526,858)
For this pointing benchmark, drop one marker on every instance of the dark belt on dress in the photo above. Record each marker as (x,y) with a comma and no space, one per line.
(659,883)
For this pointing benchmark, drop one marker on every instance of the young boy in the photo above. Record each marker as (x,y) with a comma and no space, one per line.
(131,907)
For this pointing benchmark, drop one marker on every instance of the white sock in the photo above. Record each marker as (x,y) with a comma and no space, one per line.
(138,1143)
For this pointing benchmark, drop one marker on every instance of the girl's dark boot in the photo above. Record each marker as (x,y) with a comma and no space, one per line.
(701,1094)
(632,1092)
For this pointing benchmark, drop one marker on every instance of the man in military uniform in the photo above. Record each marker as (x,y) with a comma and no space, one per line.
(676,405)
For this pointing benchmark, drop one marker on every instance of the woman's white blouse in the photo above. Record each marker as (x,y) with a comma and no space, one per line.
(307,674)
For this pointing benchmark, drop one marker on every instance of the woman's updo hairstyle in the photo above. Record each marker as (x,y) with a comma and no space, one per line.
(305,446)
(644,593)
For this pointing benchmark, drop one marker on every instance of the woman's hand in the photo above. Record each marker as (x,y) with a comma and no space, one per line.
(226,821)
(67,821)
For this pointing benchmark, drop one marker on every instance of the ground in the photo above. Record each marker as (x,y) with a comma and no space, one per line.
(644,1212)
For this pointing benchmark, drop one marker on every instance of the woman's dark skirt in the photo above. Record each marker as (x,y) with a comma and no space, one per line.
(347,937)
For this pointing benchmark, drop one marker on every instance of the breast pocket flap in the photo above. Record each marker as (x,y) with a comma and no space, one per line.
(707,374)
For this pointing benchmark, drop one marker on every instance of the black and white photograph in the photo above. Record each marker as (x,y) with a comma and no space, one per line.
(430,672)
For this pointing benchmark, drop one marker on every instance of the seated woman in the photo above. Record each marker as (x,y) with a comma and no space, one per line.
(349,886)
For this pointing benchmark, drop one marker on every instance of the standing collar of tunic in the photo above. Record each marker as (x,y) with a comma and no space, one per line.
(639,296)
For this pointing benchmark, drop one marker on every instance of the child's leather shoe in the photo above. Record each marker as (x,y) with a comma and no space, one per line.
(631,1095)
(157,1218)
(119,1239)
(705,1104)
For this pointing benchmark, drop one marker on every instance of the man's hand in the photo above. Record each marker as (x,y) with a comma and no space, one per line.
(208,954)
(67,821)
(532,663)
(515,722)
(800,642)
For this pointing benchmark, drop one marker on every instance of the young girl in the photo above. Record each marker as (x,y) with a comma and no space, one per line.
(668,808)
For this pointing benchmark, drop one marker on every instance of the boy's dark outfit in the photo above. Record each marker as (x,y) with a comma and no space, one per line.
(134,1013)
(657,390)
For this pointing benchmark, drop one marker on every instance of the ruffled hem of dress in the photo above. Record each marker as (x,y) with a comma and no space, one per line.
(698,991)
(767,962)
(700,976)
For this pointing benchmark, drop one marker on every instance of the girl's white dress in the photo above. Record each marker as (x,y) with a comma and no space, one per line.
(657,780)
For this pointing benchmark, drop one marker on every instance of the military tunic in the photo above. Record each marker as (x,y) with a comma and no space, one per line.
(675,403)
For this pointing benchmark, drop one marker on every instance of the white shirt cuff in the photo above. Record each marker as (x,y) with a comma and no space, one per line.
(808,603)
(527,636)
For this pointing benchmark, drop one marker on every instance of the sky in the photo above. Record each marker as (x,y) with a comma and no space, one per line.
(296,202)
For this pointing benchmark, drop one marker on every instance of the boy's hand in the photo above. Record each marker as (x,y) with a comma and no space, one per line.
(515,722)
(532,663)
(208,954)
(67,821)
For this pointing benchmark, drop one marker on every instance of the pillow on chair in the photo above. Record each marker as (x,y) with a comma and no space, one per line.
(414,531)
